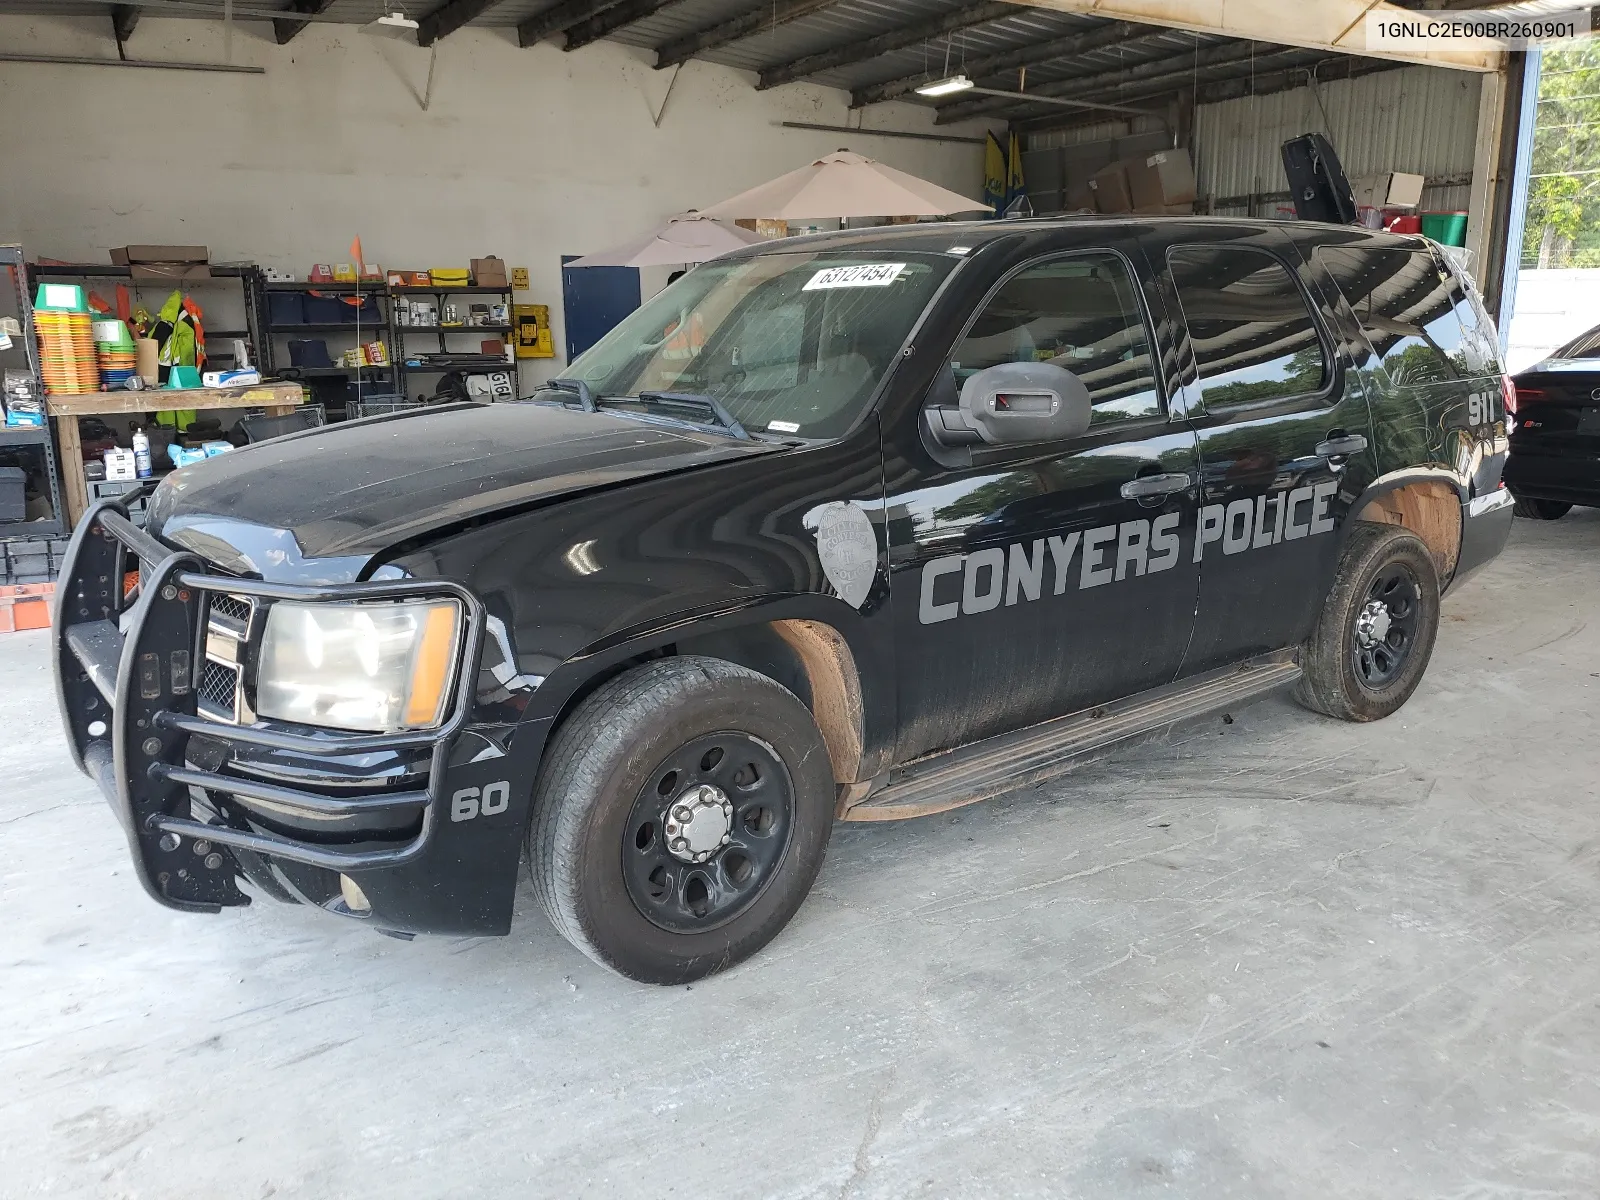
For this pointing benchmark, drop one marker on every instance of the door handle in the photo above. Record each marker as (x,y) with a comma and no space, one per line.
(1148,487)
(1341,446)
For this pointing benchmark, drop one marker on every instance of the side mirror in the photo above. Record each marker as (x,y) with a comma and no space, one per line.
(1012,403)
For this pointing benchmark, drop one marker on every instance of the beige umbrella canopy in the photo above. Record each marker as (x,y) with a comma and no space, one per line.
(688,238)
(843,184)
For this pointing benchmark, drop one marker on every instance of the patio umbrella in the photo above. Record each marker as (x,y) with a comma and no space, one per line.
(843,184)
(689,238)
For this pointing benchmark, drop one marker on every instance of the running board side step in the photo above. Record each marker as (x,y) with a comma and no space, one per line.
(953,778)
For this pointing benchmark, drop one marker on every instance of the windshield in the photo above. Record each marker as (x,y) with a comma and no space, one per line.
(1585,345)
(790,342)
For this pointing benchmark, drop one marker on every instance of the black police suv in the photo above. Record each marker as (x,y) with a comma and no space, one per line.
(857,526)
(1555,432)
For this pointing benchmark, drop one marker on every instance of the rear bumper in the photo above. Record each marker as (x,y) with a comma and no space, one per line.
(199,799)
(1539,475)
(1485,526)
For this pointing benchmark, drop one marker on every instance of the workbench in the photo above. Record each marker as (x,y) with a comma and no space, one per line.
(276,397)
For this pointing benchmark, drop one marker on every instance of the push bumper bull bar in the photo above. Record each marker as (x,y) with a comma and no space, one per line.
(126,682)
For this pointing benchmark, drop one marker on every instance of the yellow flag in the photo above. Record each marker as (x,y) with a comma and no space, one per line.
(994,174)
(1014,183)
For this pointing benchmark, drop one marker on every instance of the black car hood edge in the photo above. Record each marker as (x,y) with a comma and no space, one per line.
(318,506)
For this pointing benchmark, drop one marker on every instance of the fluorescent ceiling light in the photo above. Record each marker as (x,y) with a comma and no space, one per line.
(945,87)
(393,25)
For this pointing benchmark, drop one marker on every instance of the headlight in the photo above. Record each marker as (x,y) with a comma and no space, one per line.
(372,667)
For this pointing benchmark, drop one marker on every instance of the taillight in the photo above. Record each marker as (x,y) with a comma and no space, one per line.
(1508,393)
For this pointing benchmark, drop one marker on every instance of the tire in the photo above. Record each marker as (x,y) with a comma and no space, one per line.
(1542,510)
(1361,670)
(607,852)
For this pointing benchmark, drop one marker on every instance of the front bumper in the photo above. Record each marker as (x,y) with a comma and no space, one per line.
(204,802)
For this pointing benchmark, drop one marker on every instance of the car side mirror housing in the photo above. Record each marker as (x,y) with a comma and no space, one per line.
(1012,403)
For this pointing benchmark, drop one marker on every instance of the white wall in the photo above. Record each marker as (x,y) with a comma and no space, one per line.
(528,154)
(1553,307)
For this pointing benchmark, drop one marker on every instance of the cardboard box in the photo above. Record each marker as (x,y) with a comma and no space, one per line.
(1161,180)
(1392,189)
(1111,191)
(175,264)
(489,272)
(1079,196)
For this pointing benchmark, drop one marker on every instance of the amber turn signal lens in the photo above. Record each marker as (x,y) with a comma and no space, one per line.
(431,668)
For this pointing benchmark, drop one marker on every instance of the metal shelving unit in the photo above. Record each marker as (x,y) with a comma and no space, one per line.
(15,300)
(252,284)
(386,378)
(441,295)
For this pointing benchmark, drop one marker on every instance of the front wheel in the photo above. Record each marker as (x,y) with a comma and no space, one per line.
(1375,634)
(1541,510)
(681,817)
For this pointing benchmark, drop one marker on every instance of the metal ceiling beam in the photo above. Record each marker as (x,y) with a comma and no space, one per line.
(1063,102)
(286,30)
(612,19)
(1337,25)
(746,24)
(894,39)
(1176,68)
(561,17)
(1278,78)
(447,18)
(1118,33)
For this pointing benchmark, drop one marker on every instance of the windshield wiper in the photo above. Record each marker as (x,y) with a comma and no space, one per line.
(719,415)
(577,387)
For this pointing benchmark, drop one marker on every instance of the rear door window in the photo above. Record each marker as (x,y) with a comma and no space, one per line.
(1251,329)
(1410,311)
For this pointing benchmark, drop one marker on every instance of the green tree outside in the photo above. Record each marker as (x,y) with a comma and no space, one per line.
(1563,227)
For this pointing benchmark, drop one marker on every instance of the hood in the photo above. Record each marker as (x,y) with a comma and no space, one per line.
(315,506)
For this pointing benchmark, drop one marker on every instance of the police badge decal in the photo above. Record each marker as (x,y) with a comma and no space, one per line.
(847,548)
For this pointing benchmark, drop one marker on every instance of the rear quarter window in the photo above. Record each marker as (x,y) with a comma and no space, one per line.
(1421,322)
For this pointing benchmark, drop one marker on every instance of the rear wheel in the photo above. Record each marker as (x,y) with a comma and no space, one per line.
(1542,510)
(682,815)
(1375,635)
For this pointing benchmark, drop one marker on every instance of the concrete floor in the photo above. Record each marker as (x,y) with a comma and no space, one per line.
(1282,957)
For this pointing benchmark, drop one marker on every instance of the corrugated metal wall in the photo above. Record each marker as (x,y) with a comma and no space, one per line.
(1418,119)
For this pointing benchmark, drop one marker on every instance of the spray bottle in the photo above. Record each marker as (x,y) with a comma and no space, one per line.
(141,454)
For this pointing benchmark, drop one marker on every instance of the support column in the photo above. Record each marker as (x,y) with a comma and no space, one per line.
(1488,174)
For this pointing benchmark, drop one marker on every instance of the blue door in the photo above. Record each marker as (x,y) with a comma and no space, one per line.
(594,299)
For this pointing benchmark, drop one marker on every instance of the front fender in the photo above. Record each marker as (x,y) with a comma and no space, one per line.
(872,655)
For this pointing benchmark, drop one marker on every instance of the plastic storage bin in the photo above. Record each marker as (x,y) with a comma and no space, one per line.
(327,310)
(312,352)
(1446,228)
(286,308)
(13,494)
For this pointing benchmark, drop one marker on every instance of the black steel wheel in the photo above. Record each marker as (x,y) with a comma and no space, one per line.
(1372,641)
(681,816)
(708,831)
(1385,627)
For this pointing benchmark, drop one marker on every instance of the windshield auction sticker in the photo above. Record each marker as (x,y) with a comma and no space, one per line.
(864,275)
